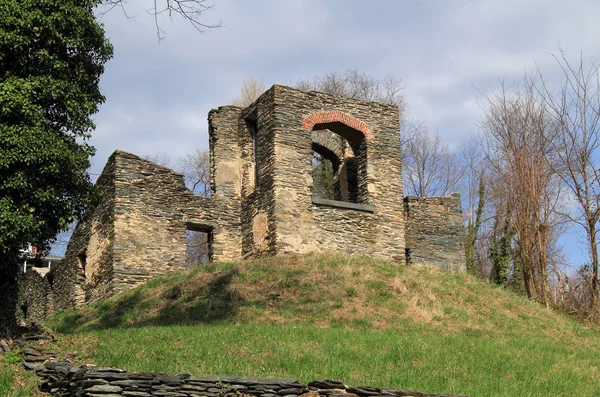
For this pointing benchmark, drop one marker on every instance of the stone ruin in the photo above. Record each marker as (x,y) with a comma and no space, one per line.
(261,200)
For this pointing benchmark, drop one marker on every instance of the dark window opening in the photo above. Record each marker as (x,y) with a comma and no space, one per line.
(407,253)
(198,246)
(336,169)
(82,262)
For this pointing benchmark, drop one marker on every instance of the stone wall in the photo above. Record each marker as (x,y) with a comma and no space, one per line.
(38,295)
(85,273)
(138,231)
(63,379)
(372,130)
(256,140)
(435,232)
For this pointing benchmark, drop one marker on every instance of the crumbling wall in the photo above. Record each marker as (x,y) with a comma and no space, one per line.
(258,169)
(85,273)
(435,232)
(153,209)
(375,226)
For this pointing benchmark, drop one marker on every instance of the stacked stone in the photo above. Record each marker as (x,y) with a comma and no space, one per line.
(257,132)
(435,233)
(66,379)
(372,130)
(38,298)
(62,379)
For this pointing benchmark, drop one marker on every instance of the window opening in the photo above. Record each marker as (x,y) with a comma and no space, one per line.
(324,178)
(198,246)
(82,262)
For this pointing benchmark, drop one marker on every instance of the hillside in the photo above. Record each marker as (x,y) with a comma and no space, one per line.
(349,318)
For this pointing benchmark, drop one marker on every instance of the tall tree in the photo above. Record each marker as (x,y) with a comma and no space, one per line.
(353,84)
(575,108)
(52,54)
(517,130)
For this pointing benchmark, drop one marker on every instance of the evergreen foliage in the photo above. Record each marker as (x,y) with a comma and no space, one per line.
(52,54)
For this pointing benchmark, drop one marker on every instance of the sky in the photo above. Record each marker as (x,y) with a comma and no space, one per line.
(448,54)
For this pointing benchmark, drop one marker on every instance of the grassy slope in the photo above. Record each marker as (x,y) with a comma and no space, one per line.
(348,318)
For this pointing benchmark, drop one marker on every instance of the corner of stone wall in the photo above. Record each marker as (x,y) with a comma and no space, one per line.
(435,233)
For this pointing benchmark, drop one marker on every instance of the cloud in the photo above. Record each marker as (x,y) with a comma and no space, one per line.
(159,94)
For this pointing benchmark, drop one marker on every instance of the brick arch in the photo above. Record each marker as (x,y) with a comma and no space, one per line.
(337,117)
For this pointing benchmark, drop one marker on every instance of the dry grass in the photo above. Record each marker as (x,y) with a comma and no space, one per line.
(322,291)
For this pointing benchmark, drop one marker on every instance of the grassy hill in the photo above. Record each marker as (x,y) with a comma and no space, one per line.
(355,319)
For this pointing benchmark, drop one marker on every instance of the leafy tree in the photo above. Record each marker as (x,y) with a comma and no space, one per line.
(52,54)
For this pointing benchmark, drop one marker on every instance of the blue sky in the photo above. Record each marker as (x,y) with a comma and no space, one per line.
(446,52)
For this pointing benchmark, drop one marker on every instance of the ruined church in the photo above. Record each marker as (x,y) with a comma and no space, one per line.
(261,198)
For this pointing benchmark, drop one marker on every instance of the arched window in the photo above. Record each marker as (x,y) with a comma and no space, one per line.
(339,156)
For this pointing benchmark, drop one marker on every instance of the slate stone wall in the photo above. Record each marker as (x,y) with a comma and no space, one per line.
(137,232)
(435,232)
(226,179)
(63,379)
(303,226)
(38,295)
(256,133)
(85,273)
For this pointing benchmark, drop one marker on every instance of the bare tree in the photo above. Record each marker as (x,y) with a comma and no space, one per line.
(353,84)
(249,92)
(191,11)
(430,168)
(575,108)
(195,168)
(517,131)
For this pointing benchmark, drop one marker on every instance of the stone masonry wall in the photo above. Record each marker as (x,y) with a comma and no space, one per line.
(138,231)
(258,196)
(153,210)
(63,379)
(304,226)
(226,179)
(38,296)
(435,232)
(85,273)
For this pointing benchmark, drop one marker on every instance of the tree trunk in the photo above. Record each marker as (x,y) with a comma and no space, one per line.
(594,250)
(9,291)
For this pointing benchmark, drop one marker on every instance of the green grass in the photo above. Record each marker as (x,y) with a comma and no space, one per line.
(354,319)
(421,359)
(14,380)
